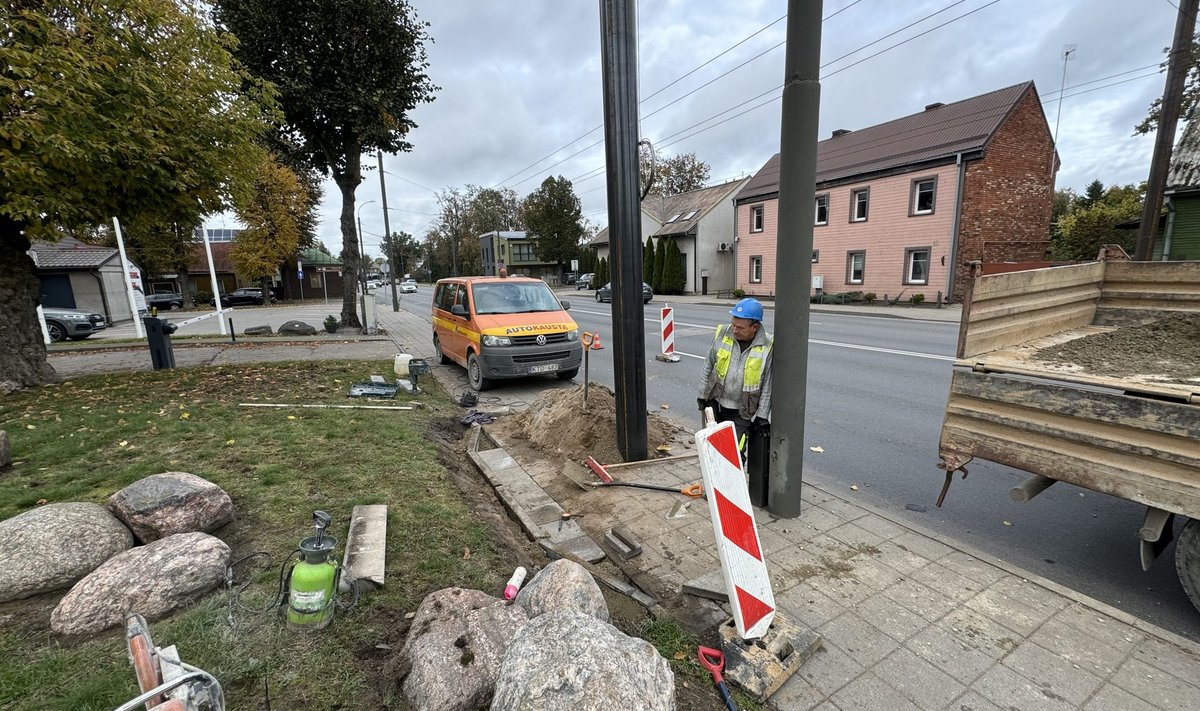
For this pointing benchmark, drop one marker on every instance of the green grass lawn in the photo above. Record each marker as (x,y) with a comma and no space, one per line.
(84,439)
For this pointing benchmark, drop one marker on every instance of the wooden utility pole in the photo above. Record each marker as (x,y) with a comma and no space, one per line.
(1168,117)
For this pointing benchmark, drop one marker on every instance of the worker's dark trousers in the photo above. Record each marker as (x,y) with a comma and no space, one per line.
(756,453)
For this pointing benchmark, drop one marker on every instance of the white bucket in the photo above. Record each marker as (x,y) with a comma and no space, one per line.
(401,364)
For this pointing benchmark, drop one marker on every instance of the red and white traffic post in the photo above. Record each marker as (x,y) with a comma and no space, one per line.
(667,333)
(738,545)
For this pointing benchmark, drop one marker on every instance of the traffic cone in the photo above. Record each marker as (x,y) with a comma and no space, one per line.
(596,341)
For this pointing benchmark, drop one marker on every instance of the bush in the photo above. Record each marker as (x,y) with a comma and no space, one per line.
(739,294)
(331,319)
(869,297)
(916,298)
(203,297)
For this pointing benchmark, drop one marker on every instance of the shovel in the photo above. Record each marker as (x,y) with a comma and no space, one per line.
(714,661)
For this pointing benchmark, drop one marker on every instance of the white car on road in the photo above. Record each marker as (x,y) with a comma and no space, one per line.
(408,286)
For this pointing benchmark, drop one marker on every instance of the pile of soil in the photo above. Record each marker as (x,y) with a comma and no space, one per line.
(1166,349)
(557,424)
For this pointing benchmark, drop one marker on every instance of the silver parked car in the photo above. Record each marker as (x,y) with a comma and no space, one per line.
(76,324)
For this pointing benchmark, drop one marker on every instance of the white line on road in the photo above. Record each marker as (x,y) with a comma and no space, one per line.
(836,344)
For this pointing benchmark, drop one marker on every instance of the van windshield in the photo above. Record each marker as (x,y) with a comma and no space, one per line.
(514,298)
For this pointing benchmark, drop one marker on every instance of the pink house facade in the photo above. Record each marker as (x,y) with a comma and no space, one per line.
(903,207)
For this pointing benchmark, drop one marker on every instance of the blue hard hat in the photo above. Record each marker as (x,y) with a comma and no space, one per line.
(748,308)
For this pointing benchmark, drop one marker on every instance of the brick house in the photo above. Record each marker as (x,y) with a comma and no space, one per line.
(903,206)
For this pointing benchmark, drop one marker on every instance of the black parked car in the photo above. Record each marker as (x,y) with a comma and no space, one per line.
(165,300)
(244,297)
(604,293)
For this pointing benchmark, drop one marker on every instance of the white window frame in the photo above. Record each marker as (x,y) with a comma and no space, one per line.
(909,260)
(915,196)
(823,197)
(758,218)
(850,266)
(756,269)
(854,203)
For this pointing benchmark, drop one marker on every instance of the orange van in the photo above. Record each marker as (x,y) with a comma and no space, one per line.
(499,327)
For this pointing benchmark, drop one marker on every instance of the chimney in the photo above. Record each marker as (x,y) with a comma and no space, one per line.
(934,105)
(840,132)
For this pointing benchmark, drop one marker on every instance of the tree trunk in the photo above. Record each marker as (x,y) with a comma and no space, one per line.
(22,350)
(185,284)
(347,182)
(264,284)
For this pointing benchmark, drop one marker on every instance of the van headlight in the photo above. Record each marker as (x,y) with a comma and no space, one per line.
(497,341)
(573,335)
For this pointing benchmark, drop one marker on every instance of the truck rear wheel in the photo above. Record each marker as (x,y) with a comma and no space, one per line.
(1187,560)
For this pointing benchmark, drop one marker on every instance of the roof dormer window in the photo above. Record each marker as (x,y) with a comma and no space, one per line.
(674,217)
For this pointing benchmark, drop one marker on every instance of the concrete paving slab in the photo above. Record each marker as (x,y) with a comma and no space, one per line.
(918,680)
(1053,673)
(366,545)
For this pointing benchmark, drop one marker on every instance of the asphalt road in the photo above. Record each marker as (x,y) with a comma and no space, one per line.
(876,392)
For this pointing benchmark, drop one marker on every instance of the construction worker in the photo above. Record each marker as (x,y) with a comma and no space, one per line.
(736,384)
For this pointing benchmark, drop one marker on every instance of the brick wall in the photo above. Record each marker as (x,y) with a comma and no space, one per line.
(1007,195)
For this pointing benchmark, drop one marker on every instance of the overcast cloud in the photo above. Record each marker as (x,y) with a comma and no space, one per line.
(521,80)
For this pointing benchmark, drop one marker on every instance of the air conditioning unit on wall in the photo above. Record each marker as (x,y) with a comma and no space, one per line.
(724,246)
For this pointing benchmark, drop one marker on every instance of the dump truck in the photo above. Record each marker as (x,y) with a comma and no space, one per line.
(1087,374)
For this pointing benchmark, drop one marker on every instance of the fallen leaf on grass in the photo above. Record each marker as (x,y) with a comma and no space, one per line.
(816,448)
(230,441)
(184,415)
(123,443)
(31,427)
(466,554)
(409,615)
(291,417)
(663,448)
(681,655)
(42,502)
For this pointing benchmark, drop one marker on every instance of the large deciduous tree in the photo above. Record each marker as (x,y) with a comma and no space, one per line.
(274,212)
(662,175)
(108,108)
(553,217)
(349,73)
(1191,90)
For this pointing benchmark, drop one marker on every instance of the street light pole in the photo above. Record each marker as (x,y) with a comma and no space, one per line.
(387,235)
(362,255)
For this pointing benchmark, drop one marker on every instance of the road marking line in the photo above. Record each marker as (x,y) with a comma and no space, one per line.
(881,350)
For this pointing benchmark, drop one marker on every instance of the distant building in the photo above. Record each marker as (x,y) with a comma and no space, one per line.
(517,251)
(902,207)
(75,275)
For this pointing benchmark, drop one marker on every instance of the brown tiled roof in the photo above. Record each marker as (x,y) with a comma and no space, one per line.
(696,203)
(936,133)
(70,253)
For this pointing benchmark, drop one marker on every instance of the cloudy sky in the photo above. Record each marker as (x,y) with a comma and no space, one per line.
(521,87)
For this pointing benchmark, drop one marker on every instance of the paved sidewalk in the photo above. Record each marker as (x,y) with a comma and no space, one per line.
(909,622)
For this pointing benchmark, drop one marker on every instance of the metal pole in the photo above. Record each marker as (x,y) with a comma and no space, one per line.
(797,192)
(212,274)
(138,327)
(362,274)
(387,231)
(618,43)
(586,382)
(1168,118)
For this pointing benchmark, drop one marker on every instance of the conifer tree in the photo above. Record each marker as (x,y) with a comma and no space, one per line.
(648,261)
(660,260)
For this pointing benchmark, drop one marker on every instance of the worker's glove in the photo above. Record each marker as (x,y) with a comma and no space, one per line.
(761,423)
(701,403)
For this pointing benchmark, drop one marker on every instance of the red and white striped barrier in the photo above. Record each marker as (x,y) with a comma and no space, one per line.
(667,331)
(738,544)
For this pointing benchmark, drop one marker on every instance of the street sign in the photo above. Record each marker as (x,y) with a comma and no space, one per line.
(738,545)
(299,269)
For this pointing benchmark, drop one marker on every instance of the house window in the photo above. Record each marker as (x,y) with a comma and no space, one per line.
(923,192)
(315,280)
(822,217)
(916,265)
(856,267)
(756,218)
(690,215)
(756,269)
(859,200)
(816,256)
(674,217)
(523,253)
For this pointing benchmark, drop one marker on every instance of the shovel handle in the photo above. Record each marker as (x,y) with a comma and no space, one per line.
(713,660)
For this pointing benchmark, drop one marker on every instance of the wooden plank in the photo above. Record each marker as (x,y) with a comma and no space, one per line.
(1137,413)
(1153,483)
(1006,363)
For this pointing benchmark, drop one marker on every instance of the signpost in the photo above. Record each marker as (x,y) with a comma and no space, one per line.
(738,545)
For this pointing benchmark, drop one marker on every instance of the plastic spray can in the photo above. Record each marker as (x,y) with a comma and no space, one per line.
(514,583)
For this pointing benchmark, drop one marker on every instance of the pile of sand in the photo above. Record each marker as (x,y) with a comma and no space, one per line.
(1167,348)
(557,424)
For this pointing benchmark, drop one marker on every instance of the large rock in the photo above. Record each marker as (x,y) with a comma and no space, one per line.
(154,580)
(570,661)
(258,331)
(563,585)
(173,502)
(53,546)
(296,328)
(454,649)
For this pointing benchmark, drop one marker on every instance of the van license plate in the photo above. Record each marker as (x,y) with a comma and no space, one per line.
(548,368)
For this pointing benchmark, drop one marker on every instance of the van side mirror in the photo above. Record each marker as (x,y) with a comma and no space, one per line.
(458,310)
(566,305)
